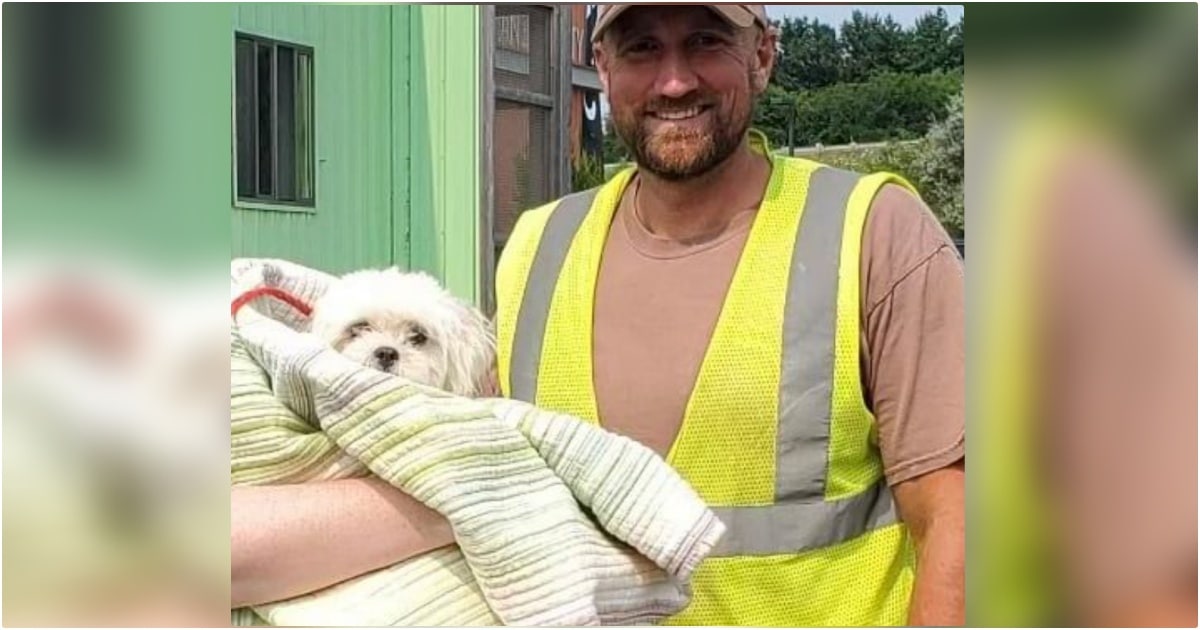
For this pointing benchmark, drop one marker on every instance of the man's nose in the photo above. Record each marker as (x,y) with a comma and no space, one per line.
(676,78)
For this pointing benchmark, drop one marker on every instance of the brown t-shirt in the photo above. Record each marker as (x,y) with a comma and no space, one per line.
(657,303)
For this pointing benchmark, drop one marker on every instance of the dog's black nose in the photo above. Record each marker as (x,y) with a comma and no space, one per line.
(386,356)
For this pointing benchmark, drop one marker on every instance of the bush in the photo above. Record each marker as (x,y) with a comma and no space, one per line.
(888,106)
(934,164)
(587,171)
(902,158)
(941,168)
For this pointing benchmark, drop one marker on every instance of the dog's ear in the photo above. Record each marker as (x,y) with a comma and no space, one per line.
(323,321)
(471,352)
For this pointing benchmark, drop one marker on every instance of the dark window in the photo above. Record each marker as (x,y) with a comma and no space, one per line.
(274,99)
(525,128)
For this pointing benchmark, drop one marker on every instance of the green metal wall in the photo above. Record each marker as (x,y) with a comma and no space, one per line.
(398,140)
(445,134)
(354,222)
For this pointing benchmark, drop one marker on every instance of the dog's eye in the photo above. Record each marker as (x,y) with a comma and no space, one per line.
(358,328)
(418,338)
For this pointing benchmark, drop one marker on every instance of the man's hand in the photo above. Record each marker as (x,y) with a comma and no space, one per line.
(932,506)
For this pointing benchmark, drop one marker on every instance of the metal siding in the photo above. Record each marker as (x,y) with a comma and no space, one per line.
(446,139)
(352,224)
(398,141)
(401,133)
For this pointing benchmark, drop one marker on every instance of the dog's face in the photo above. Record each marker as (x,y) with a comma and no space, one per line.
(408,325)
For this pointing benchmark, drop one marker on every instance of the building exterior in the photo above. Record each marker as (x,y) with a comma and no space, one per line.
(544,88)
(409,135)
(340,136)
(396,147)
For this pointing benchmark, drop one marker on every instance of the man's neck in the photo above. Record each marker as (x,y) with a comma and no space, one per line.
(699,209)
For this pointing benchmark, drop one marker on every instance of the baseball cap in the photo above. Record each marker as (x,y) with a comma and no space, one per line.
(740,15)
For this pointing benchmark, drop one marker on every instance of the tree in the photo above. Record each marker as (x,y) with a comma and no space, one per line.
(955,46)
(888,106)
(810,55)
(774,111)
(870,44)
(929,44)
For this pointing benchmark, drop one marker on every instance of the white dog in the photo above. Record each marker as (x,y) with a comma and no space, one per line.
(405,323)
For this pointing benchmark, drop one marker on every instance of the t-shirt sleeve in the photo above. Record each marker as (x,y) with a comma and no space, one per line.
(913,334)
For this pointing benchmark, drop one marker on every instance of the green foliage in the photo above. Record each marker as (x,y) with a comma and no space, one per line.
(772,113)
(587,171)
(815,55)
(871,44)
(613,149)
(888,106)
(874,81)
(810,55)
(933,44)
(933,163)
(941,168)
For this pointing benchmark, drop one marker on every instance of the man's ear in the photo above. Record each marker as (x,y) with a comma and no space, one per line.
(600,57)
(764,57)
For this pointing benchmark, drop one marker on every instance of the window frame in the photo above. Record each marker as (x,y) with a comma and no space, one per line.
(257,202)
(555,101)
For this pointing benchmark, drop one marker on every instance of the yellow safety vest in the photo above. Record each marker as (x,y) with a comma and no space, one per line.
(776,435)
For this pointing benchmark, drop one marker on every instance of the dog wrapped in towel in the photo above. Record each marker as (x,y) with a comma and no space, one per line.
(557,522)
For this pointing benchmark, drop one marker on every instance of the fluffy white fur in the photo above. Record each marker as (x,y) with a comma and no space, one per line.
(405,323)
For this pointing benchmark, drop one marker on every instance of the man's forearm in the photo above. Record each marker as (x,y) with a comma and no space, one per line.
(294,539)
(932,506)
(938,597)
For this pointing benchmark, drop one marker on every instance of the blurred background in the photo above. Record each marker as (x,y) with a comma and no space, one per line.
(1081,201)
(145,145)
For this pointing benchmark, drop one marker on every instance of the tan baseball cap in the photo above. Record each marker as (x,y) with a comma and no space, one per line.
(740,15)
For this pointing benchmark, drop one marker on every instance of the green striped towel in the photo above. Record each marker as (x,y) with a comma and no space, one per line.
(557,522)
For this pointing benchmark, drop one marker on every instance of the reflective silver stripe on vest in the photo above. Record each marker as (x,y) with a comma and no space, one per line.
(797,527)
(551,253)
(800,519)
(809,325)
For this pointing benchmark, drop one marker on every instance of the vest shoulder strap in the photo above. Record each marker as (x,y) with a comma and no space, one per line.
(540,236)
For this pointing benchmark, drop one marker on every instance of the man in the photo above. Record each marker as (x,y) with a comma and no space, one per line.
(802,369)
(742,310)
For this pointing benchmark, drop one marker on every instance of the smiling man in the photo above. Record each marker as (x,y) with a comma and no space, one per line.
(789,336)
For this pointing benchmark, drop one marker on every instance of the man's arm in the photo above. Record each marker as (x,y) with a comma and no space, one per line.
(914,366)
(932,507)
(295,539)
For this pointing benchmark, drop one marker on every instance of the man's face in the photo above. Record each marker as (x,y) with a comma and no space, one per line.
(681,83)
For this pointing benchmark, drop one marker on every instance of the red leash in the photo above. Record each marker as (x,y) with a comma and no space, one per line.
(279,294)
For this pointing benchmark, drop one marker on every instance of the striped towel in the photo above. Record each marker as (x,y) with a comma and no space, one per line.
(557,522)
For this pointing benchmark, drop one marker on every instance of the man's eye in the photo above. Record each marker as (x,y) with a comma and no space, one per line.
(639,47)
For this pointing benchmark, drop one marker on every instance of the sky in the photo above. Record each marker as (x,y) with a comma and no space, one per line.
(835,14)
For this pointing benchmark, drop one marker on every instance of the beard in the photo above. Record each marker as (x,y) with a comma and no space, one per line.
(679,154)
